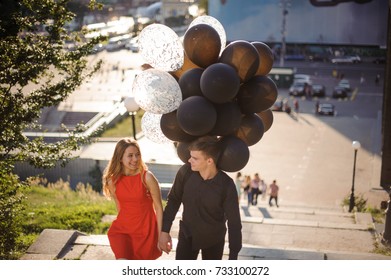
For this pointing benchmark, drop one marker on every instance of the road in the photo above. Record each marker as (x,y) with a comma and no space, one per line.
(310,156)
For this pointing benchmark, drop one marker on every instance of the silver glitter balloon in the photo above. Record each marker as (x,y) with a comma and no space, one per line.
(150,125)
(161,47)
(156,91)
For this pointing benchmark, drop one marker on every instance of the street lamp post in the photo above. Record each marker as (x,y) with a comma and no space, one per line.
(284,4)
(132,107)
(355,145)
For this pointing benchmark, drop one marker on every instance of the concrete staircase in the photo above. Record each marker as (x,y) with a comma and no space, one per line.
(271,233)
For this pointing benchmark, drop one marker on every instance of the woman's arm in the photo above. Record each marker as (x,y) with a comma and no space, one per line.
(153,187)
(111,187)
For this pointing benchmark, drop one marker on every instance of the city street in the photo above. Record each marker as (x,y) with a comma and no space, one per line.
(310,156)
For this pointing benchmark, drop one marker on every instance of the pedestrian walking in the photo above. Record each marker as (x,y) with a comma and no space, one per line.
(377,79)
(296,105)
(247,189)
(254,186)
(274,189)
(239,184)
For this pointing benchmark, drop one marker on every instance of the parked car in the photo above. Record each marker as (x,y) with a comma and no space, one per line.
(318,90)
(133,45)
(98,48)
(379,60)
(326,109)
(339,92)
(342,60)
(297,89)
(355,58)
(302,78)
(345,84)
(117,43)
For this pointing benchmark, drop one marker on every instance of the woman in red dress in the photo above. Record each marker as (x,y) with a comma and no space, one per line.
(134,235)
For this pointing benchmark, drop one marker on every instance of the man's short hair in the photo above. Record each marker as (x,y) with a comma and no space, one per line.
(209,145)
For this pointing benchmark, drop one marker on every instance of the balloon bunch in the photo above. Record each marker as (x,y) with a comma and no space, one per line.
(205,87)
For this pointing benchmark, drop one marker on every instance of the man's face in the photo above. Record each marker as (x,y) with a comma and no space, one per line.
(198,161)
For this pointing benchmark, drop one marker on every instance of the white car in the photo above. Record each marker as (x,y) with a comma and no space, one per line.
(302,78)
(133,44)
(345,84)
(345,59)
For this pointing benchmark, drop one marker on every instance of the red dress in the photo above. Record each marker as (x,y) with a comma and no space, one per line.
(134,234)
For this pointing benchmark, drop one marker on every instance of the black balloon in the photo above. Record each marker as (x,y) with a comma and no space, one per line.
(183,152)
(251,129)
(189,83)
(171,129)
(243,56)
(257,95)
(267,118)
(234,154)
(228,119)
(220,83)
(266,58)
(196,115)
(202,44)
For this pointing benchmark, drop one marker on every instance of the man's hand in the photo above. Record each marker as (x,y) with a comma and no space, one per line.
(165,242)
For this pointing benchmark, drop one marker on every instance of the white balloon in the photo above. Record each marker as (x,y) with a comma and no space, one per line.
(156,91)
(161,48)
(215,24)
(150,125)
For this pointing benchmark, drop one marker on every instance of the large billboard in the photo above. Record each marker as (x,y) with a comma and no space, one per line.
(340,22)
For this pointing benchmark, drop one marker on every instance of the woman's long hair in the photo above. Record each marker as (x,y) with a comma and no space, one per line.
(114,169)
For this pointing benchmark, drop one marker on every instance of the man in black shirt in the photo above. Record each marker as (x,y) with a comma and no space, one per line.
(209,200)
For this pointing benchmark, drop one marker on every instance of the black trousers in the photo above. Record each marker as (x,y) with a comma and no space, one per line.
(184,250)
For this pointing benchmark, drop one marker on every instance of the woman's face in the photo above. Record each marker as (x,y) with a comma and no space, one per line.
(131,159)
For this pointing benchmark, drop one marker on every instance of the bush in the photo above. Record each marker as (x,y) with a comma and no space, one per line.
(359,201)
(11,213)
(361,206)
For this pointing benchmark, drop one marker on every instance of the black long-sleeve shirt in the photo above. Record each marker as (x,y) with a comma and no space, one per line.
(207,206)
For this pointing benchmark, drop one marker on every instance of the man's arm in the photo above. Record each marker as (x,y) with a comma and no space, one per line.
(231,208)
(174,201)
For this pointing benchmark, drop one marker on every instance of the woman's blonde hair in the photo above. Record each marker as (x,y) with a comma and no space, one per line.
(114,169)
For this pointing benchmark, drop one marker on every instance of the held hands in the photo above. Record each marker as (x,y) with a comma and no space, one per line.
(165,242)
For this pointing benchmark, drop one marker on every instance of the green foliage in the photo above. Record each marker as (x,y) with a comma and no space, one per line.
(11,207)
(361,206)
(36,71)
(359,201)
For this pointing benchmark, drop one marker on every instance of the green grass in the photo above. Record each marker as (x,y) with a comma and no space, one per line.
(124,128)
(56,206)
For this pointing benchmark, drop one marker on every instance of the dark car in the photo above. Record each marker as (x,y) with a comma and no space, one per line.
(318,90)
(326,109)
(379,60)
(340,92)
(297,89)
